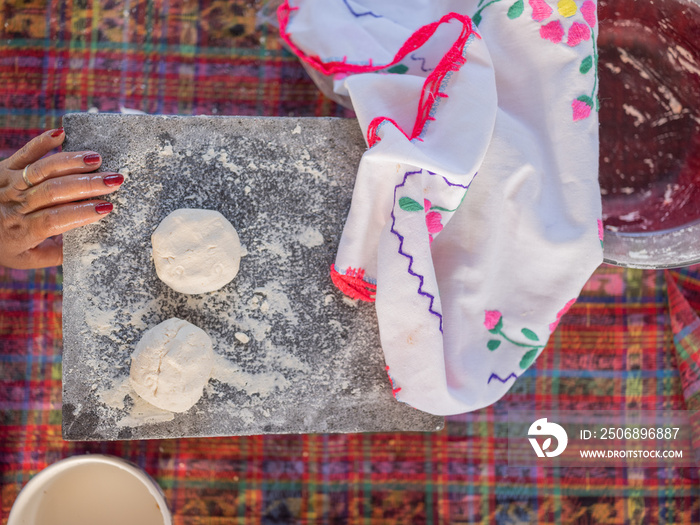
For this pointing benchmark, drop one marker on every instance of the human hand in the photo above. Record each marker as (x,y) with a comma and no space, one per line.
(40,198)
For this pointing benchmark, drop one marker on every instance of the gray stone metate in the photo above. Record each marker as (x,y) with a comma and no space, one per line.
(294,355)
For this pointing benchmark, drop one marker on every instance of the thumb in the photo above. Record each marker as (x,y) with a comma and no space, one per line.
(48,253)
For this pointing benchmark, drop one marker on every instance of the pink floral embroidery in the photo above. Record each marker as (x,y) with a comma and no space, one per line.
(433,219)
(552,31)
(601,232)
(588,11)
(578,32)
(555,32)
(581,109)
(553,326)
(540,10)
(491,318)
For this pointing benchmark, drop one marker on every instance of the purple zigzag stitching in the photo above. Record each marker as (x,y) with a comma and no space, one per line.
(358,15)
(422,66)
(401,238)
(465,187)
(496,376)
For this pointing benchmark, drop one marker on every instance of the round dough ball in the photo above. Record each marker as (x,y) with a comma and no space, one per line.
(196,251)
(171,365)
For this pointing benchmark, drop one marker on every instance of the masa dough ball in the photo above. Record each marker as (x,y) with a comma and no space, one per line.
(196,251)
(171,365)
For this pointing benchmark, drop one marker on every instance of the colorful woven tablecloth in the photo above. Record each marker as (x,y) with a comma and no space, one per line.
(621,346)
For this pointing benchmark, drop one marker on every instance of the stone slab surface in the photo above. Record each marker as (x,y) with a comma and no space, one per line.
(294,356)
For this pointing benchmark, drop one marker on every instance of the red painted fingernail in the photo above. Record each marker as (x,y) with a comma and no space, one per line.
(113,180)
(57,132)
(104,207)
(92,158)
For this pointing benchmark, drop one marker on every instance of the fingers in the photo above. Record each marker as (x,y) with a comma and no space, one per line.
(59,219)
(61,164)
(36,148)
(38,204)
(48,253)
(71,188)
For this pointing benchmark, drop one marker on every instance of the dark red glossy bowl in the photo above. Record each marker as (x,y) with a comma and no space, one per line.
(649,67)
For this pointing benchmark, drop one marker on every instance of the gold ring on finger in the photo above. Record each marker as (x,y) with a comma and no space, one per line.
(24,176)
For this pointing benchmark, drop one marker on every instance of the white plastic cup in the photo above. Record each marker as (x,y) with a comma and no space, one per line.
(88,490)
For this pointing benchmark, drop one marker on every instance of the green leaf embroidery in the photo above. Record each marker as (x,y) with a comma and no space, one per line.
(586,100)
(528,358)
(477,18)
(493,344)
(532,336)
(440,208)
(399,69)
(408,204)
(586,64)
(516,9)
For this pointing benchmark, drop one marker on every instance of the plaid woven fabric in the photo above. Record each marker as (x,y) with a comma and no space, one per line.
(614,349)
(685,324)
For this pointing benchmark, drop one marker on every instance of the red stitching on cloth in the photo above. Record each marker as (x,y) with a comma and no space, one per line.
(415,41)
(394,390)
(352,284)
(372,137)
(451,61)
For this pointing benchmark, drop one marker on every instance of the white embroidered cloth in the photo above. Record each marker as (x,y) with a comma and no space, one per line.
(476,210)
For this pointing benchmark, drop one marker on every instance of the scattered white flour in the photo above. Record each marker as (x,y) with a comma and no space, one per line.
(171,364)
(350,302)
(209,155)
(639,118)
(276,248)
(167,150)
(673,104)
(311,237)
(634,62)
(302,167)
(336,325)
(94,251)
(196,251)
(685,58)
(612,67)
(641,254)
(262,384)
(631,216)
(223,159)
(668,193)
(277,301)
(140,413)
